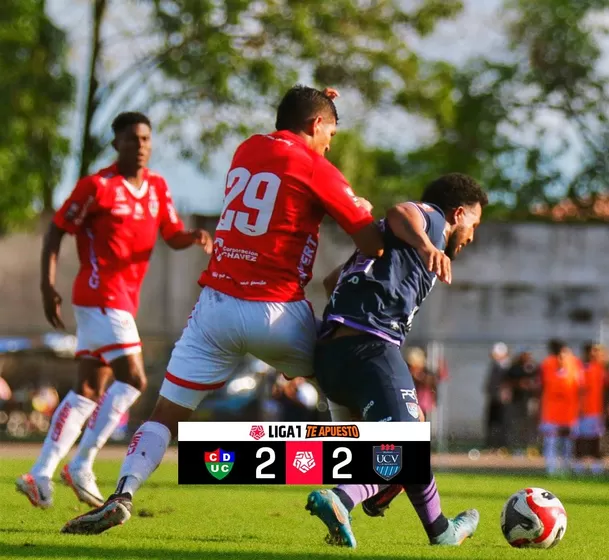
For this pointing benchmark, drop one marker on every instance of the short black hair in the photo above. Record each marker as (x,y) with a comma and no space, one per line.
(556,346)
(454,190)
(301,104)
(124,120)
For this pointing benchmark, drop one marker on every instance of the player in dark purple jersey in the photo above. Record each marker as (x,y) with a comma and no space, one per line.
(358,361)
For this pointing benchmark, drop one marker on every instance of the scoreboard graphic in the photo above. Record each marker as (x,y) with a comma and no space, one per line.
(304,453)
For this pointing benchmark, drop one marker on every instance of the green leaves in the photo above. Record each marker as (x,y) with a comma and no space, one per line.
(515,125)
(35,89)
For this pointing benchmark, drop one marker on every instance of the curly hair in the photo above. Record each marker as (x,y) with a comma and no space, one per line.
(454,190)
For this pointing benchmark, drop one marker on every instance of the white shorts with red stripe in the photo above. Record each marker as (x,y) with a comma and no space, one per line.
(222,329)
(105,334)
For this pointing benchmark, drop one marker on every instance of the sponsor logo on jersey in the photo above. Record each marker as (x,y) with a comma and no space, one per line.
(153,203)
(138,211)
(173,215)
(355,199)
(120,195)
(219,462)
(72,211)
(223,252)
(366,409)
(409,394)
(121,210)
(337,431)
(387,460)
(306,259)
(153,207)
(83,213)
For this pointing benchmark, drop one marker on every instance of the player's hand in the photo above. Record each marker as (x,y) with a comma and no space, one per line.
(52,307)
(204,239)
(365,203)
(437,262)
(331,93)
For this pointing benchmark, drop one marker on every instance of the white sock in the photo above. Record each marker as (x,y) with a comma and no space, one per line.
(145,453)
(64,430)
(117,400)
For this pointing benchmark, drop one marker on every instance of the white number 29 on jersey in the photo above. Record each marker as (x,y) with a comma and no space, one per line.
(259,193)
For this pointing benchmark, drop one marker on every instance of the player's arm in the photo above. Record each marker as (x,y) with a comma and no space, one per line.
(189,237)
(48,272)
(407,222)
(174,232)
(350,212)
(68,219)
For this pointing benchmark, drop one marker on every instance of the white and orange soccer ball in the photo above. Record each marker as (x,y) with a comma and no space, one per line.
(533,518)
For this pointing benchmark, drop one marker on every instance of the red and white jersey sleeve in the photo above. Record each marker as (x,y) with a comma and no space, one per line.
(170,222)
(77,207)
(337,197)
(277,193)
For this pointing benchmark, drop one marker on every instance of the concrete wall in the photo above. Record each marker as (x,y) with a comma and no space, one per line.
(520,283)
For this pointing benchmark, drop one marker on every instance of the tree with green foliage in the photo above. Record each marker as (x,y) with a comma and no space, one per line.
(35,91)
(512,123)
(217,69)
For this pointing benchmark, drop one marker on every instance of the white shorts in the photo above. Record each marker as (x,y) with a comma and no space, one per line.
(105,334)
(222,329)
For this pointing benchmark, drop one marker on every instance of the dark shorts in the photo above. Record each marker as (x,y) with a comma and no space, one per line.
(367,375)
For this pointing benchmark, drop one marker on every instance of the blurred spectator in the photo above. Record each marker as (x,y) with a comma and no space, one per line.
(591,423)
(45,400)
(5,392)
(425,381)
(497,397)
(560,390)
(521,381)
(297,399)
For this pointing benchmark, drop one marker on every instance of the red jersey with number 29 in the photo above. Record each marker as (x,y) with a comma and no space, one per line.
(116,227)
(277,193)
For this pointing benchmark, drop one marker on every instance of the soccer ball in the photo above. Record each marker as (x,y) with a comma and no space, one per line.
(533,518)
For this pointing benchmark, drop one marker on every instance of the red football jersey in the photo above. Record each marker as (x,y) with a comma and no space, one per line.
(277,193)
(116,226)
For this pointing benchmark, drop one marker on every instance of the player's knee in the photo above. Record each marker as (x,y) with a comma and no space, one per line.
(92,379)
(130,370)
(85,389)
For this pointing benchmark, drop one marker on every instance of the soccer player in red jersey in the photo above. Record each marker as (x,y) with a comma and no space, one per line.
(115,216)
(278,189)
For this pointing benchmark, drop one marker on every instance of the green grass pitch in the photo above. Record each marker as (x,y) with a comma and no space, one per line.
(270,523)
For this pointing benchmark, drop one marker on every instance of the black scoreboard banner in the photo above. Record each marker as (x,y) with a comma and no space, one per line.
(304,453)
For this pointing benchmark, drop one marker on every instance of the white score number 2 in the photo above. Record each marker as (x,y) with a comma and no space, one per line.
(241,181)
(335,471)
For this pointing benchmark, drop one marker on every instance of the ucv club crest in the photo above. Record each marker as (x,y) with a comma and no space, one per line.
(387,460)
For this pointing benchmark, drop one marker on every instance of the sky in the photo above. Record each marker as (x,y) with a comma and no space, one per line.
(478,30)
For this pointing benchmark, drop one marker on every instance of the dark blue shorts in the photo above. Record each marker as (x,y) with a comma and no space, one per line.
(367,375)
